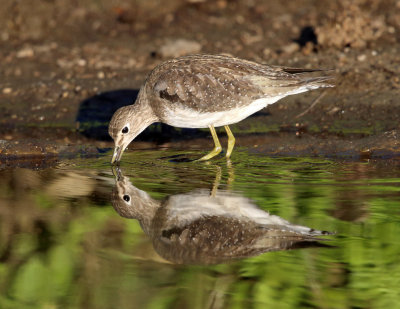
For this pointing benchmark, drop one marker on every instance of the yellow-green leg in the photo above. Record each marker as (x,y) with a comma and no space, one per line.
(217,148)
(231,142)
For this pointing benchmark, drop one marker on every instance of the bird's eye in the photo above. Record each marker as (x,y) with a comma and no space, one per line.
(126,198)
(125,130)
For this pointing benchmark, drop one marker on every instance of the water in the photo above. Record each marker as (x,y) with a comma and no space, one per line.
(64,245)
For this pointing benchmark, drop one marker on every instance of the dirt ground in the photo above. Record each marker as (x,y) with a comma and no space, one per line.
(67,65)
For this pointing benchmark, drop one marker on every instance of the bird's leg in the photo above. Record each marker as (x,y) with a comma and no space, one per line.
(231,142)
(217,148)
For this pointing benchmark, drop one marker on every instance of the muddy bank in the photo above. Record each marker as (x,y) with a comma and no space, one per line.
(58,56)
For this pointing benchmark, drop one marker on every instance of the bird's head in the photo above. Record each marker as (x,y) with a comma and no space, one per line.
(123,129)
(127,123)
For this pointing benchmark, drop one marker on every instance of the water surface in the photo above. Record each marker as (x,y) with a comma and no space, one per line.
(64,245)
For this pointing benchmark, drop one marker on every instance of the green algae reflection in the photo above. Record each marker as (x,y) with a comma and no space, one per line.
(62,245)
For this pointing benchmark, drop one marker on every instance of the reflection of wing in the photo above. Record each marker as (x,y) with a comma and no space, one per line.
(186,208)
(212,240)
(199,228)
(202,82)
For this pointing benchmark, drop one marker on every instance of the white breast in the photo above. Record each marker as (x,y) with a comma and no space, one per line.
(189,118)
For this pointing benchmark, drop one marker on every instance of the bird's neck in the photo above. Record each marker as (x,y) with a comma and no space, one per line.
(146,215)
(142,113)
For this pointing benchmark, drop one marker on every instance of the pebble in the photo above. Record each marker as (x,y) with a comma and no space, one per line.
(179,47)
(7,90)
(5,36)
(291,48)
(26,52)
(240,19)
(267,52)
(82,62)
(362,57)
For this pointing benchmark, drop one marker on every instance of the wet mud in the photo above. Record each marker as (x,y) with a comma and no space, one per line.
(66,67)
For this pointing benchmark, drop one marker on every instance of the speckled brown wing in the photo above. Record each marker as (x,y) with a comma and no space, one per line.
(206,87)
(210,83)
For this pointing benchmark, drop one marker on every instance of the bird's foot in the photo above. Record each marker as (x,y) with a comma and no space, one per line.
(212,154)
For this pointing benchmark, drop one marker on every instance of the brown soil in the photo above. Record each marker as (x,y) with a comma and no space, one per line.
(58,55)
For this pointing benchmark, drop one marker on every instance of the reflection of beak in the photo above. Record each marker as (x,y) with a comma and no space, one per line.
(117,154)
(116,172)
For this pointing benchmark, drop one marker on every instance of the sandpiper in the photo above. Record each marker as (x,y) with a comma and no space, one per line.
(200,91)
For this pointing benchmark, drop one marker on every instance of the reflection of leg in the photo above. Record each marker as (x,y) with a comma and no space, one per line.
(216,181)
(231,174)
(231,141)
(217,148)
(220,289)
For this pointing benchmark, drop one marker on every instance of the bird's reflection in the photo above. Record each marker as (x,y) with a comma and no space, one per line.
(208,227)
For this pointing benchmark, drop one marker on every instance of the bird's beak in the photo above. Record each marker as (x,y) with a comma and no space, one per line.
(117,154)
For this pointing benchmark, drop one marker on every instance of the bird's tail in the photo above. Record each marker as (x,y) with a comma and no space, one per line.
(317,82)
(294,231)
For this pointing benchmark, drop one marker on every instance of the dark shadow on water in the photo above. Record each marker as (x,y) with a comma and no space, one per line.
(95,113)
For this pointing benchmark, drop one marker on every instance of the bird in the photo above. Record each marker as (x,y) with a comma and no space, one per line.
(207,91)
(209,226)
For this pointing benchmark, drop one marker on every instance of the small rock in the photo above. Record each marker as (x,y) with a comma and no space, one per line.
(5,36)
(179,47)
(249,38)
(362,57)
(268,52)
(63,63)
(308,48)
(334,110)
(7,90)
(26,52)
(240,19)
(82,62)
(291,48)
(96,25)
(100,75)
